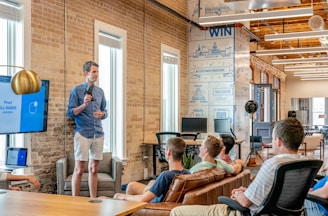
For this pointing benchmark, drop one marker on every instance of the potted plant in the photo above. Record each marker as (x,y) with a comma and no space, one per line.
(188,161)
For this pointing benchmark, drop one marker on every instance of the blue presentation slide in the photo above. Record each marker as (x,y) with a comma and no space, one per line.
(21,113)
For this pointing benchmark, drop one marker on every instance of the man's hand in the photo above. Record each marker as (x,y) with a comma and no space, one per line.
(87,99)
(235,192)
(34,181)
(99,114)
(14,188)
(119,196)
(238,161)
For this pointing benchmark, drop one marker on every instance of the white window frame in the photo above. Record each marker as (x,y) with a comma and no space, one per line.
(22,140)
(164,126)
(118,124)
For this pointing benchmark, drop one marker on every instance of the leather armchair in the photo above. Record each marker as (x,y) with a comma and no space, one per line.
(109,176)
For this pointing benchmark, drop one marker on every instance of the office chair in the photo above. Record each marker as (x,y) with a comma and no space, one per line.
(292,181)
(162,138)
(192,136)
(190,149)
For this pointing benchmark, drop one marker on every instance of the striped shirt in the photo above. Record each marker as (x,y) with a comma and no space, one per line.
(259,189)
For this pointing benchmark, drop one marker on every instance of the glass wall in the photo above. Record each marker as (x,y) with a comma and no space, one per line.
(311,111)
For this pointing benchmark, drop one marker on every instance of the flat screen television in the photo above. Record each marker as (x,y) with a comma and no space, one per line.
(197,125)
(25,113)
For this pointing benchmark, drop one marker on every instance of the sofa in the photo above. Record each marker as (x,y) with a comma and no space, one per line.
(109,176)
(201,188)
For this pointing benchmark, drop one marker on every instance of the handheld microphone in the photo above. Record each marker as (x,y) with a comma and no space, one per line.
(89,91)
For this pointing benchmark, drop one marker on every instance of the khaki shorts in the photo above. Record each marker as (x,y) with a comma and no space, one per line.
(85,148)
(204,210)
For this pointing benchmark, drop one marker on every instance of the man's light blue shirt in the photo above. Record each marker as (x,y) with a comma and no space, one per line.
(87,125)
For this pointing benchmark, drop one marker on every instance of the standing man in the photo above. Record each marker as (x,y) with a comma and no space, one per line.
(87,105)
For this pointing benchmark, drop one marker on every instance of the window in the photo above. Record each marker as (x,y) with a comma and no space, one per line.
(276,83)
(318,111)
(276,98)
(110,49)
(15,19)
(170,88)
(264,78)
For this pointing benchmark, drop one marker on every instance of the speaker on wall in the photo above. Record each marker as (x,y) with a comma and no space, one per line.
(292,113)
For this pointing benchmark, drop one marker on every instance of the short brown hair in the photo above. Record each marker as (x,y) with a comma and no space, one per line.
(178,147)
(87,65)
(214,145)
(291,132)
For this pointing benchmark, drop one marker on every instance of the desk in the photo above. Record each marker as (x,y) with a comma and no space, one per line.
(197,142)
(31,204)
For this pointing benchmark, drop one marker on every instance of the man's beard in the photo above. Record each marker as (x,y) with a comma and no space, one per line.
(91,80)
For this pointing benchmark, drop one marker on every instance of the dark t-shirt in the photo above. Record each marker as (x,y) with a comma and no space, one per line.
(162,183)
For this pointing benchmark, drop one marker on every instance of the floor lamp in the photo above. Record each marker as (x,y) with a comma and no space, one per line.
(251,107)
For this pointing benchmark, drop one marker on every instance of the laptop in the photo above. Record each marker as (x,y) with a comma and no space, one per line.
(15,158)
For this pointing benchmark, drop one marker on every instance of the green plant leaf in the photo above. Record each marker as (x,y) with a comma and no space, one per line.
(188,161)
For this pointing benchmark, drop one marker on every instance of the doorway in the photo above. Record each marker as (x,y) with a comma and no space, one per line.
(263,124)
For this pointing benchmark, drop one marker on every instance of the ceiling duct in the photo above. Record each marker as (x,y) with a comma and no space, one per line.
(317,23)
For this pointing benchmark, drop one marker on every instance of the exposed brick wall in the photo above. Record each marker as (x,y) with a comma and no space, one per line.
(147,25)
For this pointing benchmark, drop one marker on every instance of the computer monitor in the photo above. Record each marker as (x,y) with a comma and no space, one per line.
(197,125)
(222,126)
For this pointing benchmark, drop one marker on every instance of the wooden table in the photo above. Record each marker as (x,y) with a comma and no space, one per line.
(197,142)
(20,203)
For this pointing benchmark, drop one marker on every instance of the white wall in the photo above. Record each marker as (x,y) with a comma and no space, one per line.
(304,89)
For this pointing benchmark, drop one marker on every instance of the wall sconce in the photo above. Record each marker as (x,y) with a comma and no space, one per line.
(24,81)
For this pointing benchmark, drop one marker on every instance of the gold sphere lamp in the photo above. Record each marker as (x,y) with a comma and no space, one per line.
(24,81)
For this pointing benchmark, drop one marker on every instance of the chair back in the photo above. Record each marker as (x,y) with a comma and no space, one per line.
(291,184)
(189,136)
(311,143)
(162,138)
